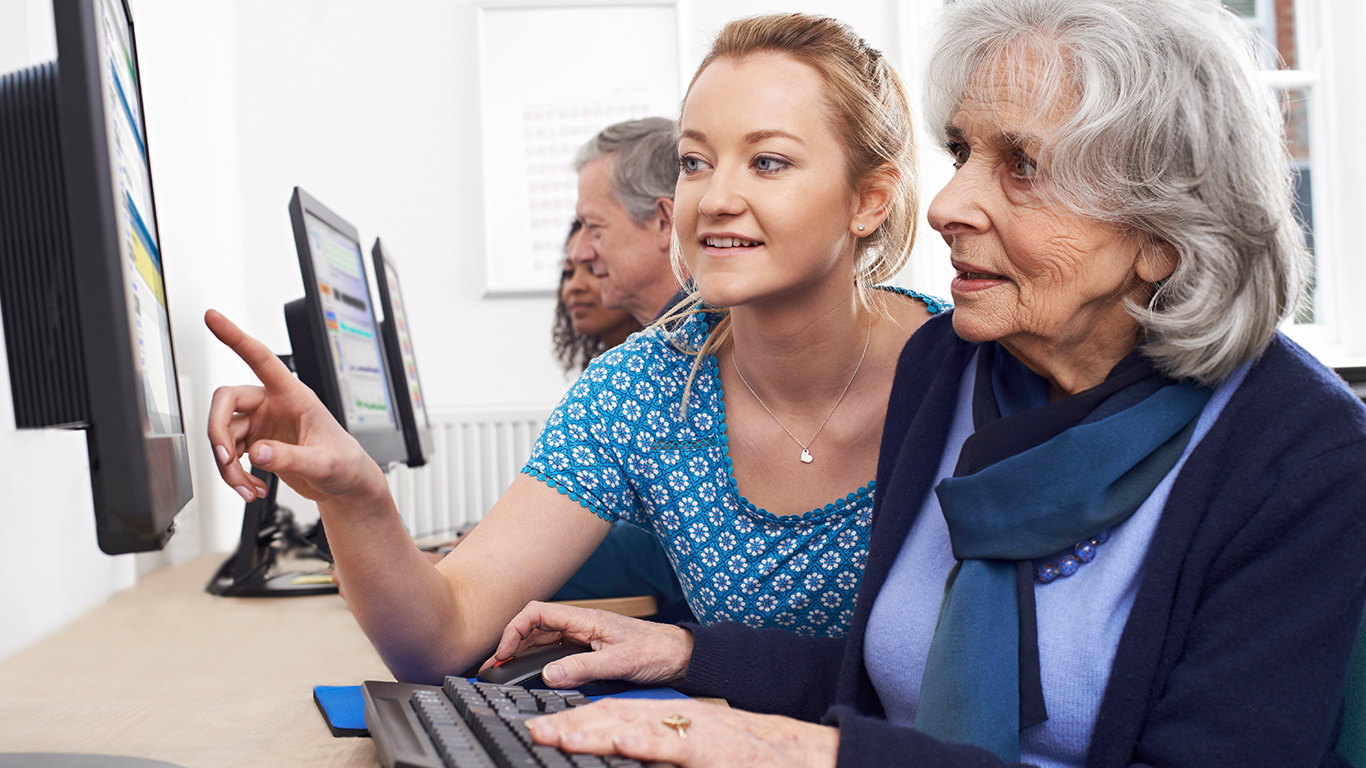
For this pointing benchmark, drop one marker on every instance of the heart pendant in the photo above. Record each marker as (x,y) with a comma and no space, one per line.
(806,456)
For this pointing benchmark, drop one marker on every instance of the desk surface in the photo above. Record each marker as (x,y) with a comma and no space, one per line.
(166,671)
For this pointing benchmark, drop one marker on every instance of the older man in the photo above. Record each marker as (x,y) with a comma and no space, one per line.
(626,188)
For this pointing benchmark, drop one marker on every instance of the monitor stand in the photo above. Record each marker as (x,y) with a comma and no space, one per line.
(269,531)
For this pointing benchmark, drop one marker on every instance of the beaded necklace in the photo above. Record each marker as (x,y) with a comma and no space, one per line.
(1084,552)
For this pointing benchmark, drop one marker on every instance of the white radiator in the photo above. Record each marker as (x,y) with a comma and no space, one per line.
(476,454)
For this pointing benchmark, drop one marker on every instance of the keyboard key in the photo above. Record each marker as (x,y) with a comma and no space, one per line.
(479,725)
(551,757)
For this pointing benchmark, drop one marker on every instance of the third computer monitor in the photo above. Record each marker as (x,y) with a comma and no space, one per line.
(398,343)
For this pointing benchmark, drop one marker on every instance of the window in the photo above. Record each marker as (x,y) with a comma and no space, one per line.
(1315,65)
(1295,83)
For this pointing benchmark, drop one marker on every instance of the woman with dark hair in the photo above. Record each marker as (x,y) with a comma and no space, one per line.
(1121,519)
(584,328)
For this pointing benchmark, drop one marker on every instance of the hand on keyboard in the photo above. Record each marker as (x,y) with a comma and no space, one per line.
(643,652)
(468,724)
(689,734)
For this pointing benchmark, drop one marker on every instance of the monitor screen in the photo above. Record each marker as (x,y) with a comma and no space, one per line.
(338,351)
(84,296)
(135,220)
(405,344)
(352,334)
(398,342)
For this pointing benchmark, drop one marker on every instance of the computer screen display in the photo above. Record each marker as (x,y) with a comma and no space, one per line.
(398,343)
(352,334)
(130,170)
(405,345)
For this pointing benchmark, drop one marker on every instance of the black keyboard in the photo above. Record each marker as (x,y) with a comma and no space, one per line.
(469,724)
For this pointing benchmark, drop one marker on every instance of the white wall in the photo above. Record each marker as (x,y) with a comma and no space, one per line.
(373,108)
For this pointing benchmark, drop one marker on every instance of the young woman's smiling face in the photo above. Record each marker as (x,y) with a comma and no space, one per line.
(763,208)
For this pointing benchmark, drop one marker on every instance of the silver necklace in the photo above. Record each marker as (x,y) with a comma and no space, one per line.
(806,454)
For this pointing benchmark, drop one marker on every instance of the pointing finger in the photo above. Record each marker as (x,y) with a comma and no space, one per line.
(263,362)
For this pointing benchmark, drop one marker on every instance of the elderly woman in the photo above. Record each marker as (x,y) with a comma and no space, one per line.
(1121,522)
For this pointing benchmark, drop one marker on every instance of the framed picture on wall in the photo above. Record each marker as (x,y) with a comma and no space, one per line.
(551,75)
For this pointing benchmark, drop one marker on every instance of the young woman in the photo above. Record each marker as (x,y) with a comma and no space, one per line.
(745,434)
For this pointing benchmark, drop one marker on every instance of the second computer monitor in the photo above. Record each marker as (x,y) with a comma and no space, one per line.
(398,343)
(337,348)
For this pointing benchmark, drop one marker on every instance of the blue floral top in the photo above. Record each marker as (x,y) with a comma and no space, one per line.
(617,445)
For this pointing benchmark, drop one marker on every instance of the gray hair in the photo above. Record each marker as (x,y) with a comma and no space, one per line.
(1169,132)
(647,162)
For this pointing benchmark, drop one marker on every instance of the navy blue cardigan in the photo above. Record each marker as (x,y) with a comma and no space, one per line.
(1238,641)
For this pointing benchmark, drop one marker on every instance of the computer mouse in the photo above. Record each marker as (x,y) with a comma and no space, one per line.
(525,670)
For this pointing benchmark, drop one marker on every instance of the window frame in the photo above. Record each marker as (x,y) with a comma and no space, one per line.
(1333,75)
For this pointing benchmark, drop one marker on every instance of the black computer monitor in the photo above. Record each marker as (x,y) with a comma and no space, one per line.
(398,344)
(338,351)
(84,301)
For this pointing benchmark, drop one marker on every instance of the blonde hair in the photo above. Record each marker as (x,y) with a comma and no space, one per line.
(871,116)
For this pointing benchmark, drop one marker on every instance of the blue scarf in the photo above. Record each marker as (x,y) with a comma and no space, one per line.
(1034,479)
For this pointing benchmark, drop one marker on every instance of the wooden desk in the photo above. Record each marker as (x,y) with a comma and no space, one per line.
(166,671)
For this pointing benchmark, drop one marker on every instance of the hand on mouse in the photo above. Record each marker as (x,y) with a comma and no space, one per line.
(284,428)
(623,648)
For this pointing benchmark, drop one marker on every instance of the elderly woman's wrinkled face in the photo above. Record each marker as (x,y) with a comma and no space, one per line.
(1044,281)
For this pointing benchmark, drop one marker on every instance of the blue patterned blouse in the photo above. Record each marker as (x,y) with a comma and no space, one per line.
(617,445)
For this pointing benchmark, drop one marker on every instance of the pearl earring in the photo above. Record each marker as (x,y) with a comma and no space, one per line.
(860,227)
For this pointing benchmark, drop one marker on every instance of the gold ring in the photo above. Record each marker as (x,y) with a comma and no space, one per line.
(678,723)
